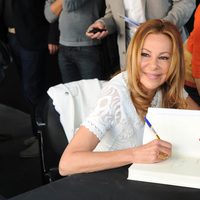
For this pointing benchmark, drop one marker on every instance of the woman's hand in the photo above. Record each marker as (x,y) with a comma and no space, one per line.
(154,151)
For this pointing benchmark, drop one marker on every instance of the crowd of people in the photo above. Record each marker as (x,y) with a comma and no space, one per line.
(151,59)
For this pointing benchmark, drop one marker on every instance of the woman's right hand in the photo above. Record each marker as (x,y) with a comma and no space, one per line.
(152,152)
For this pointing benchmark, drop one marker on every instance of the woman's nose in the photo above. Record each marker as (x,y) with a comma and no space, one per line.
(154,63)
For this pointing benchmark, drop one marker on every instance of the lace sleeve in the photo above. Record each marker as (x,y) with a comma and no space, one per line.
(106,113)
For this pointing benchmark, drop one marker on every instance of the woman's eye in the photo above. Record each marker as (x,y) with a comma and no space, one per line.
(144,54)
(164,58)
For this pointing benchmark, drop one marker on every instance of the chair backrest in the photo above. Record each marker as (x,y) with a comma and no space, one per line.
(54,130)
(75,100)
(52,139)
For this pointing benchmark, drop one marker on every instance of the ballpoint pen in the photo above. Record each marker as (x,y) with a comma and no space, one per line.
(151,127)
(161,155)
(130,21)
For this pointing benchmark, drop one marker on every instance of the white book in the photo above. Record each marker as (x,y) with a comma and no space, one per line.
(182,129)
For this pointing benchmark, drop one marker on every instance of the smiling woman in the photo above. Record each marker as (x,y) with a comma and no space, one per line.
(161,42)
(155,62)
(111,136)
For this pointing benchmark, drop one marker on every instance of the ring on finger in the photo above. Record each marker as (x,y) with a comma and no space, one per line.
(162,156)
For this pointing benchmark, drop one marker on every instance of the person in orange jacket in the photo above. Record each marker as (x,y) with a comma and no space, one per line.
(192,59)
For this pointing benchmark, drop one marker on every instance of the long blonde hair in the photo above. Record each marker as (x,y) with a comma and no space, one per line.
(172,89)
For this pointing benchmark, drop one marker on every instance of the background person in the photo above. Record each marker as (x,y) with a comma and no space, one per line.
(192,55)
(178,12)
(27,35)
(79,57)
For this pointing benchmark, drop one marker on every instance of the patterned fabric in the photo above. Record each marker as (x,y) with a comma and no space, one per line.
(115,120)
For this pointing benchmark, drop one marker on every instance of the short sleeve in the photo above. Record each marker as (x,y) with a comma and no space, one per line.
(106,113)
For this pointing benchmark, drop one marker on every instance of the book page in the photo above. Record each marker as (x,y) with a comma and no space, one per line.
(182,129)
(179,127)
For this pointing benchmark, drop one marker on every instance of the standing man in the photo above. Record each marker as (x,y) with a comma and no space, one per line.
(27,35)
(176,11)
(79,57)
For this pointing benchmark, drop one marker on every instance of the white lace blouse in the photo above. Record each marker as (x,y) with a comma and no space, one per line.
(115,120)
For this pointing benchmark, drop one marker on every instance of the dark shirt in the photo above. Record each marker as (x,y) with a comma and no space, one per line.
(2,24)
(8,14)
(27,17)
(30,23)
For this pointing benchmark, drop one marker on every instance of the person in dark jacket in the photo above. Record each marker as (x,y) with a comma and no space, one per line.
(27,35)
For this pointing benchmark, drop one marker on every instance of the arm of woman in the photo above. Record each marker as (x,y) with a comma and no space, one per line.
(79,156)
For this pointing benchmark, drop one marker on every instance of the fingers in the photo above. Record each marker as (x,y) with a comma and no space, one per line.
(52,48)
(162,156)
(97,31)
(163,149)
(152,152)
(99,35)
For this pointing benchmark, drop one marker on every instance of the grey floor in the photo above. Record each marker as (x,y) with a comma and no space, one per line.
(17,175)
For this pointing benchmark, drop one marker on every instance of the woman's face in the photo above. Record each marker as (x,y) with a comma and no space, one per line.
(156,56)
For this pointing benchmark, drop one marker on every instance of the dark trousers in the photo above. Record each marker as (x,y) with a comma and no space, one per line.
(193,93)
(78,63)
(31,67)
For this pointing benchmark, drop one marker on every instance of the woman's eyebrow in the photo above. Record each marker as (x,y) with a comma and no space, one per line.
(165,52)
(146,49)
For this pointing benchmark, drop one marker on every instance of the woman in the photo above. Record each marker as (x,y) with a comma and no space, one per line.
(112,134)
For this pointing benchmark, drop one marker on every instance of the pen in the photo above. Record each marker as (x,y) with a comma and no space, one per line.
(130,21)
(151,127)
(161,155)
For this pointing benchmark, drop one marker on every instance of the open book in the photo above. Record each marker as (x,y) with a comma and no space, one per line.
(182,129)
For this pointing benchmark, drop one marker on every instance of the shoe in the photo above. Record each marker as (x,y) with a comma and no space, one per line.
(31,151)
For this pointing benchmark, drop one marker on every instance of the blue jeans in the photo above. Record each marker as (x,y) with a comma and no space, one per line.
(31,67)
(78,63)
